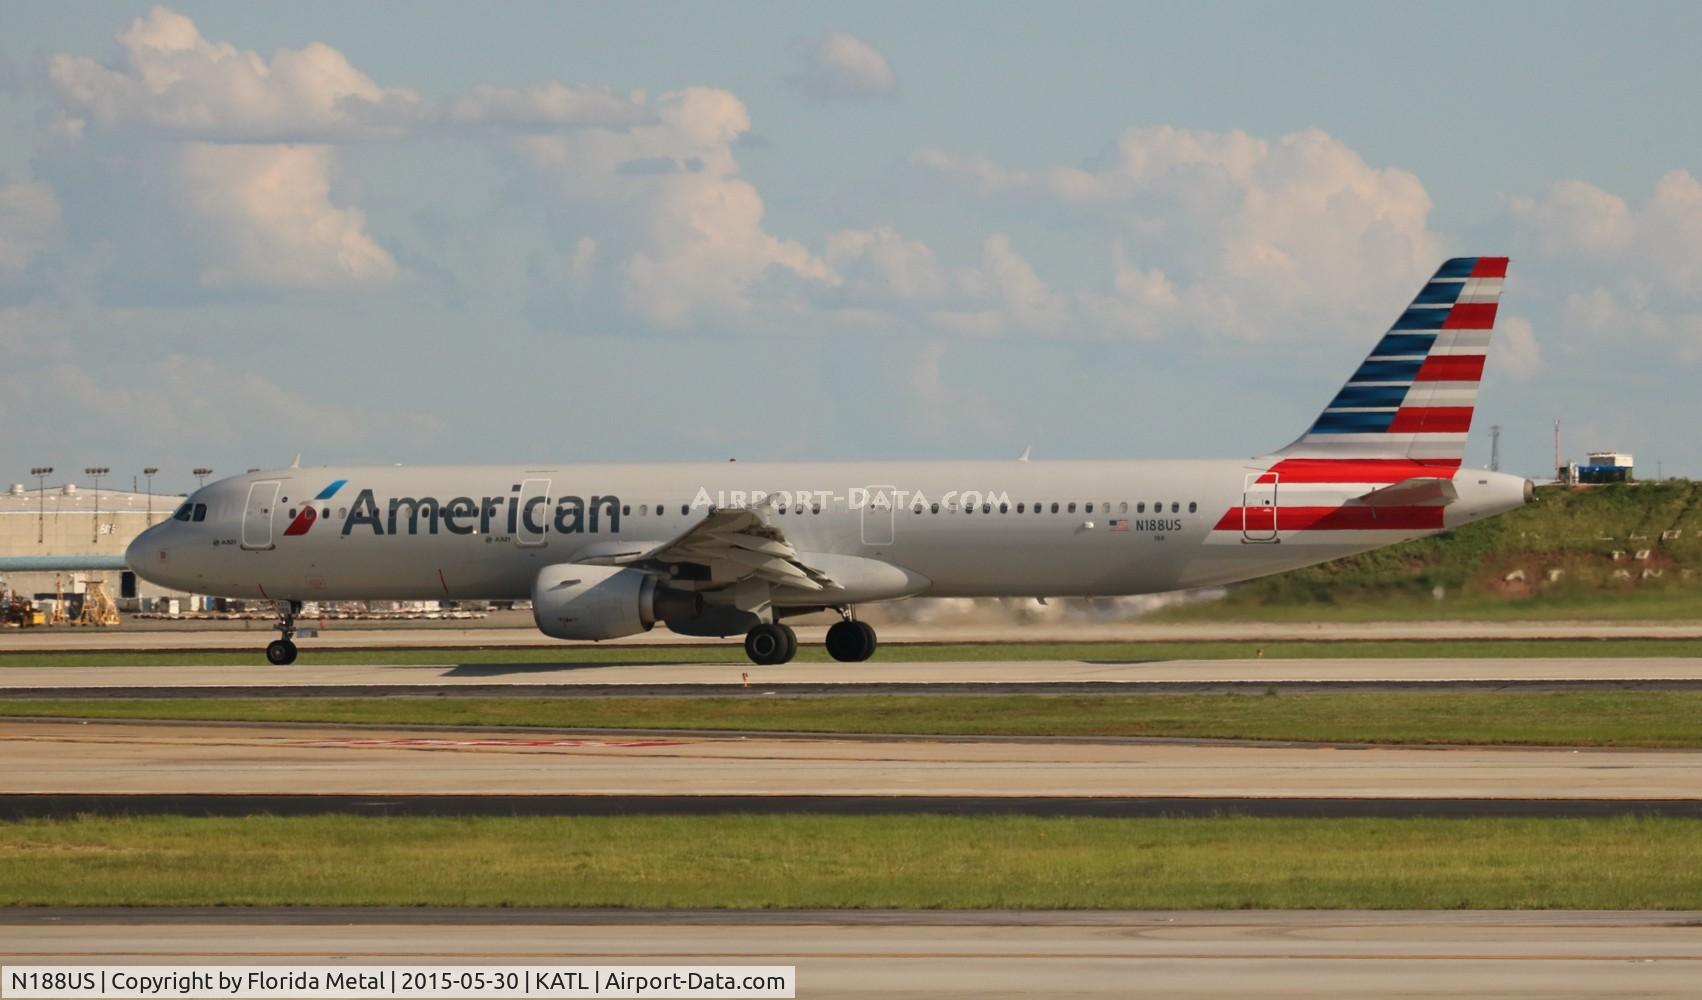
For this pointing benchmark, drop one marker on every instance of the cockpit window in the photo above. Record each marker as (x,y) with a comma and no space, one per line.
(200,512)
(183,512)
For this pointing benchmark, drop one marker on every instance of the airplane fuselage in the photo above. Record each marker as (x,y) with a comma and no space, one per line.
(956,529)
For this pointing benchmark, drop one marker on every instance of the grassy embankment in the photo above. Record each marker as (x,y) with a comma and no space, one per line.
(1671,719)
(1554,559)
(855,862)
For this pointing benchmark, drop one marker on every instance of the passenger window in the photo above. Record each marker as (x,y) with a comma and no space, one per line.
(815,508)
(1140,508)
(1072,507)
(933,508)
(1019,508)
(986,508)
(292,513)
(1193,506)
(1090,508)
(684,510)
(200,512)
(1054,506)
(1175,507)
(1123,507)
(626,510)
(643,509)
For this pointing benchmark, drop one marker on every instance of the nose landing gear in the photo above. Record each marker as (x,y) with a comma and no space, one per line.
(281,651)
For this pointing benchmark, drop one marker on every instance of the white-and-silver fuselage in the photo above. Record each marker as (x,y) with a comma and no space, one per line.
(950,529)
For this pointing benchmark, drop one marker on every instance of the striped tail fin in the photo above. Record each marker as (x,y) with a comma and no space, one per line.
(1413,396)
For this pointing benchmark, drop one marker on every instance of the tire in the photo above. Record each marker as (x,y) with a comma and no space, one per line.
(280,652)
(870,641)
(766,644)
(791,643)
(850,642)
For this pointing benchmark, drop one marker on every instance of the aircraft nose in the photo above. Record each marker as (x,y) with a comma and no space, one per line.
(147,551)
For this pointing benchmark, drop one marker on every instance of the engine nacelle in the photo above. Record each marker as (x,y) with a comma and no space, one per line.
(573,601)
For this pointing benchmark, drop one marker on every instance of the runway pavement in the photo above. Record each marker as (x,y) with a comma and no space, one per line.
(907,954)
(254,634)
(199,758)
(489,677)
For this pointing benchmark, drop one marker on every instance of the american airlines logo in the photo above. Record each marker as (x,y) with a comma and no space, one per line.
(465,515)
(571,515)
(309,514)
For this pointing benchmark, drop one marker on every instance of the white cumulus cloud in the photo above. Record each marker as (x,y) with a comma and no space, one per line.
(1223,233)
(1624,269)
(840,66)
(264,216)
(169,80)
(682,232)
(239,143)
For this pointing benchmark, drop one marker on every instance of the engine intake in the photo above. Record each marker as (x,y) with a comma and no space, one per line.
(572,601)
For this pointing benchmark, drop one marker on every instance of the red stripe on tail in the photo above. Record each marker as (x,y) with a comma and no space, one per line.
(1361,470)
(1470,316)
(1432,420)
(1333,519)
(1451,368)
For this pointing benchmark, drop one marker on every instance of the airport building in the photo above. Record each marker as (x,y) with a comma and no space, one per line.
(56,524)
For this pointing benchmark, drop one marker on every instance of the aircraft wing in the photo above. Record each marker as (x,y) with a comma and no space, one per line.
(724,547)
(1422,491)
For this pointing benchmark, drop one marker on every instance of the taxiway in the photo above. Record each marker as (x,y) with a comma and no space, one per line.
(986,954)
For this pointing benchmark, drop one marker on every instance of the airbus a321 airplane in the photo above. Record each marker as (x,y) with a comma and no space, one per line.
(727,548)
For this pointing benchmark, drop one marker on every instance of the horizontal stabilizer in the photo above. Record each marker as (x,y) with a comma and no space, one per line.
(1422,491)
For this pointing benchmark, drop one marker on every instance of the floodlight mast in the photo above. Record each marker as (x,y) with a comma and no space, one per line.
(95,472)
(41,472)
(149,472)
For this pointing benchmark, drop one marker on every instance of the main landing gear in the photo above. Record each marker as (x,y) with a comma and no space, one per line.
(769,644)
(848,641)
(281,651)
(851,641)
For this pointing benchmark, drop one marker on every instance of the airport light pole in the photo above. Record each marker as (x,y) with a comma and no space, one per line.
(41,472)
(149,472)
(201,476)
(95,472)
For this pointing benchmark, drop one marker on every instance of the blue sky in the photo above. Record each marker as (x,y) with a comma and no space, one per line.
(452,233)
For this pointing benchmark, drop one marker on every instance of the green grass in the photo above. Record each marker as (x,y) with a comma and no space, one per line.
(1567,718)
(927,862)
(733,653)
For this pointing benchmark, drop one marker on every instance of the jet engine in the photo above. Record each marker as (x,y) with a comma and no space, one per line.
(572,601)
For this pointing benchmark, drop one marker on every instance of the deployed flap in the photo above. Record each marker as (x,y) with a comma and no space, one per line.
(1423,491)
(729,545)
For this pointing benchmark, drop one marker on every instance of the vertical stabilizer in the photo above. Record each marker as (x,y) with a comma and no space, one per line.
(1412,398)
